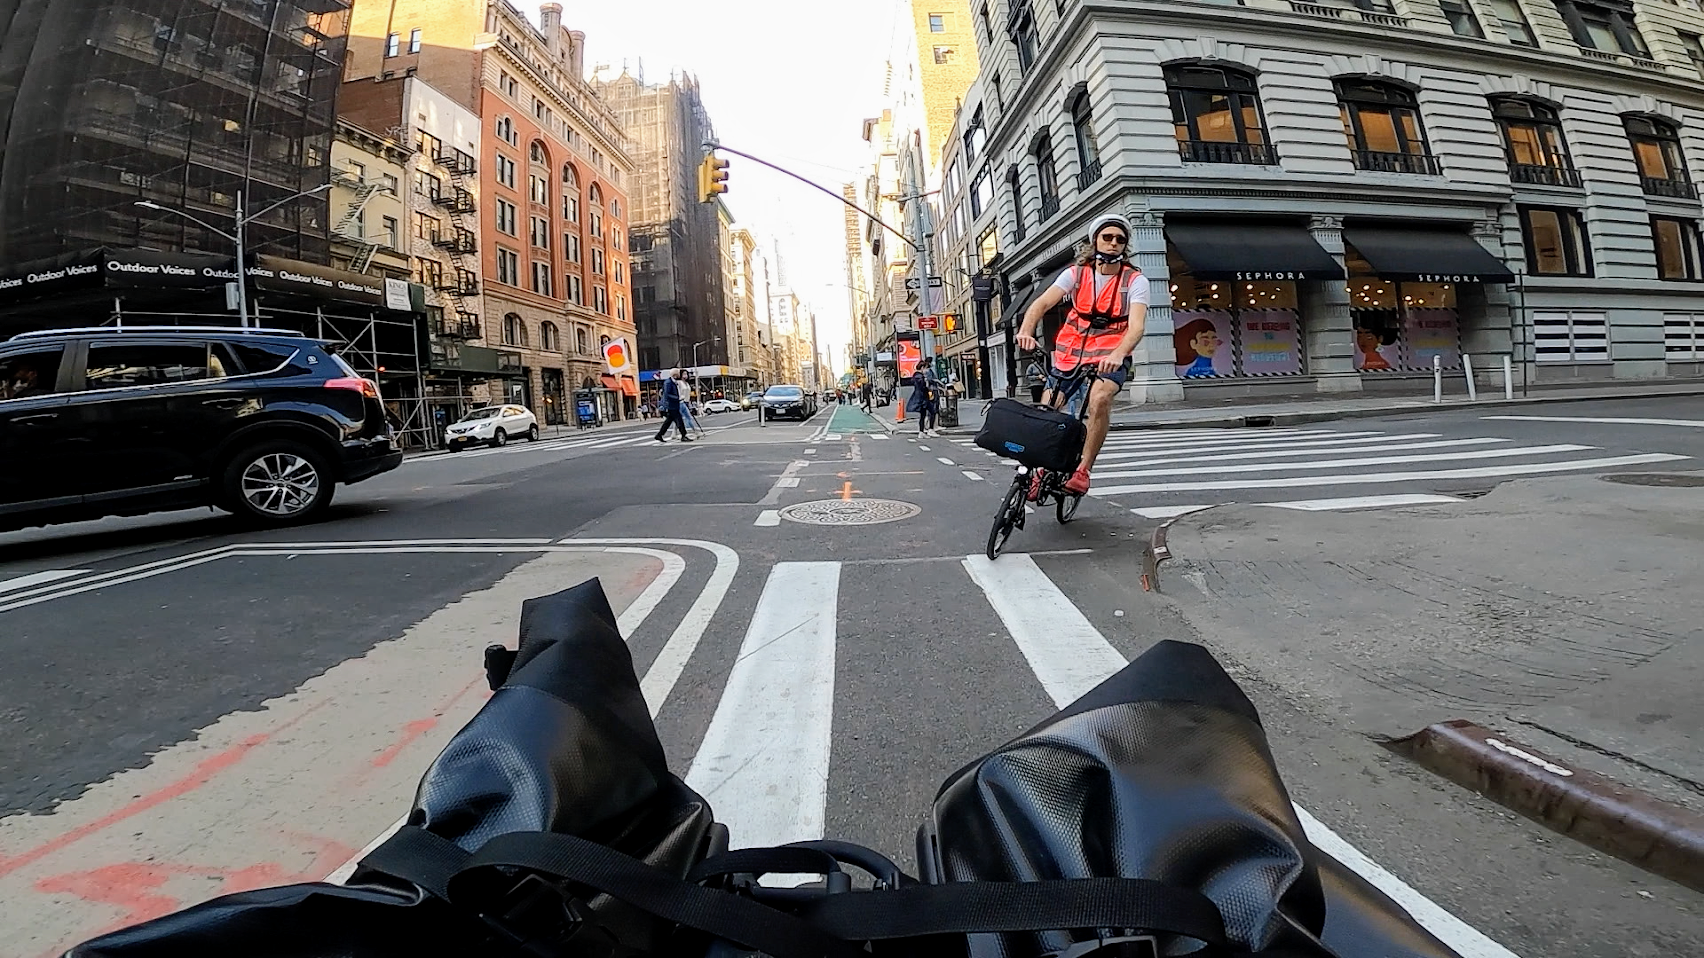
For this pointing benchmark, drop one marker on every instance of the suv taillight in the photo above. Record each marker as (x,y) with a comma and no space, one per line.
(365,387)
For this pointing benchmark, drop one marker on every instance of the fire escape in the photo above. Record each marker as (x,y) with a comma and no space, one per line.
(347,228)
(460,241)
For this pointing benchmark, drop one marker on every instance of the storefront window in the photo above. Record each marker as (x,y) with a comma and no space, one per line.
(1228,329)
(1403,326)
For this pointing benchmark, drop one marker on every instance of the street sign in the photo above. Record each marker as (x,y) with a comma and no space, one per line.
(935,282)
(928,322)
(915,284)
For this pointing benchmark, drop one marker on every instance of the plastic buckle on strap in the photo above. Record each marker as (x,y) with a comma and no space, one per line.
(539,919)
(1123,946)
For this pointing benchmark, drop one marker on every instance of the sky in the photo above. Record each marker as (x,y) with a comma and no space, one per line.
(787,81)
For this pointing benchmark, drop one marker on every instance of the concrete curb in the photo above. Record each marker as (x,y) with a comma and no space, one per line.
(1154,553)
(1659,837)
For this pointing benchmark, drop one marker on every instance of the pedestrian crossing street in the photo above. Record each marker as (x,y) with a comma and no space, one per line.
(1161,474)
(520,446)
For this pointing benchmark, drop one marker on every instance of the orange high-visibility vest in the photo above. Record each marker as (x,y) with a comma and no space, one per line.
(1079,339)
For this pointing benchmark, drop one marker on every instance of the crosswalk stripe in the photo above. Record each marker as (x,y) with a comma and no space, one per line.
(763,763)
(1169,512)
(1231,445)
(37,578)
(1309,505)
(1068,655)
(1301,445)
(1282,453)
(1352,463)
(1349,479)
(1227,436)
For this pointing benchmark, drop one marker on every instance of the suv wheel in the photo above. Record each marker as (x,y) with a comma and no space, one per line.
(532,433)
(277,483)
(499,438)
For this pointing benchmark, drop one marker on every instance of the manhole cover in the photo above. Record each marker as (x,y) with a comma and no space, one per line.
(1657,479)
(849,512)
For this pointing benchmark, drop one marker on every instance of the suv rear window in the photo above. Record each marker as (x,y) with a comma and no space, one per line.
(267,357)
(116,365)
(35,373)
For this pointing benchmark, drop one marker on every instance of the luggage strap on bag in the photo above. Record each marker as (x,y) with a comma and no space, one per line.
(834,926)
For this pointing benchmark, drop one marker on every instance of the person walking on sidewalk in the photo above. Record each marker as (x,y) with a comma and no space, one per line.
(669,404)
(1109,305)
(867,393)
(918,401)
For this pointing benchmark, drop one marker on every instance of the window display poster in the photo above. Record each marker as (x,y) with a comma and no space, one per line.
(1378,338)
(1271,342)
(910,354)
(1203,341)
(1432,332)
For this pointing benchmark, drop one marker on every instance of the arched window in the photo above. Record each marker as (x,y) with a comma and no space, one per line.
(1662,165)
(570,179)
(538,153)
(1216,115)
(1532,137)
(1047,175)
(570,193)
(1088,148)
(514,330)
(596,195)
(548,338)
(1014,182)
(582,340)
(1382,122)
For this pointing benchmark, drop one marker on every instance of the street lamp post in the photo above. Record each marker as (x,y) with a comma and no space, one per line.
(238,237)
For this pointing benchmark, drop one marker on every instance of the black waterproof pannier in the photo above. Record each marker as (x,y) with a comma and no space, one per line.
(1036,436)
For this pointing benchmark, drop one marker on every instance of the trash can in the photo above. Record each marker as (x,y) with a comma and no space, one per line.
(949,408)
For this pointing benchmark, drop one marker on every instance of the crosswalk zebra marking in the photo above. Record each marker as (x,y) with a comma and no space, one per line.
(1309,505)
(1288,452)
(763,763)
(1300,445)
(38,578)
(1365,478)
(1350,463)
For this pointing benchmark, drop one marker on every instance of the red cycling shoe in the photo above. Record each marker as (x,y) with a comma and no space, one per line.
(1078,484)
(1035,486)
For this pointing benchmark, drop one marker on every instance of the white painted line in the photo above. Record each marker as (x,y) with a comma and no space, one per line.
(1362,502)
(641,607)
(1691,423)
(878,435)
(347,869)
(1233,445)
(1314,449)
(1167,512)
(768,517)
(788,482)
(943,460)
(1355,463)
(810,452)
(1466,940)
(1226,437)
(38,578)
(975,477)
(1352,479)
(833,437)
(924,448)
(1070,657)
(763,763)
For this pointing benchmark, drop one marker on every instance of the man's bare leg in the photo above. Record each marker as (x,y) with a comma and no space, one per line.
(1100,420)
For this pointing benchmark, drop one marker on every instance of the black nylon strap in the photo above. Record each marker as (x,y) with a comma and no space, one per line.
(967,907)
(759,861)
(417,855)
(723,914)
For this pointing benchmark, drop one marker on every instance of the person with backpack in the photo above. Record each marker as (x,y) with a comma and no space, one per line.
(670,403)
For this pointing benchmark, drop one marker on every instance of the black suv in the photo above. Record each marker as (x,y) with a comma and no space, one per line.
(263,423)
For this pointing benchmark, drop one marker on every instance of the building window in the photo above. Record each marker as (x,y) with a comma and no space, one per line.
(600,300)
(1683,336)
(1014,181)
(514,330)
(426,227)
(1694,50)
(428,185)
(621,308)
(506,131)
(974,137)
(507,218)
(1606,26)
(549,339)
(937,23)
(387,183)
(540,232)
(621,273)
(1677,247)
(1514,22)
(944,55)
(1025,36)
(1216,115)
(414,40)
(615,209)
(571,247)
(429,144)
(1382,122)
(535,151)
(1532,137)
(1662,165)
(510,85)
(1555,242)
(987,247)
(597,224)
(1461,18)
(1048,176)
(1570,337)
(538,189)
(505,171)
(981,193)
(597,261)
(541,280)
(508,267)
(431,273)
(1088,148)
(393,45)
(389,235)
(575,291)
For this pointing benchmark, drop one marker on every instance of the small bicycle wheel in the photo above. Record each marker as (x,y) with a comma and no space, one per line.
(1066,507)
(1010,516)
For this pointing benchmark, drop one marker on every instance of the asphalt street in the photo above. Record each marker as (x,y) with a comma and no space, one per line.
(191,708)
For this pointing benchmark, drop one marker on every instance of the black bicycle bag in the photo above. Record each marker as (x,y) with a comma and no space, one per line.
(1036,436)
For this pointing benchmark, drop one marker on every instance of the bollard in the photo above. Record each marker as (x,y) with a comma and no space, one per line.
(1437,379)
(1508,379)
(1467,367)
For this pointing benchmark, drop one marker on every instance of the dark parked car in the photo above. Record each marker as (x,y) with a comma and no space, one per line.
(263,423)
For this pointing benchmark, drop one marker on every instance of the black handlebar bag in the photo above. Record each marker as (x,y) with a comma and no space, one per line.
(565,746)
(1036,436)
(1160,773)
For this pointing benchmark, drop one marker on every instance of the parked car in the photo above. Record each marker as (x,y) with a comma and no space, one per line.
(788,401)
(721,405)
(492,426)
(262,423)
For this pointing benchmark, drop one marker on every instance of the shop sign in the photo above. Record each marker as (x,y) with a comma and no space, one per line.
(1268,275)
(1446,278)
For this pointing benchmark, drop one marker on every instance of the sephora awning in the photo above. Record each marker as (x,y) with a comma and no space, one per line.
(1254,251)
(1427,256)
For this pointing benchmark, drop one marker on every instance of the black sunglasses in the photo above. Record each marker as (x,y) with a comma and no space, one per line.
(1118,238)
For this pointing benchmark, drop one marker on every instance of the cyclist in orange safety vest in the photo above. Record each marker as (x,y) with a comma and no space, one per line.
(1109,304)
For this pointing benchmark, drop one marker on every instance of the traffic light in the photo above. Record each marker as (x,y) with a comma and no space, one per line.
(712,177)
(949,322)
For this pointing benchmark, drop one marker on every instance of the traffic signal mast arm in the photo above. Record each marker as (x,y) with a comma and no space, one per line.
(703,184)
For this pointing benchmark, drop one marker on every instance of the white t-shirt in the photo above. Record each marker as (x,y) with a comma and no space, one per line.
(1135,284)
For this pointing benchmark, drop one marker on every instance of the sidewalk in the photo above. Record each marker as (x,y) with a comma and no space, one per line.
(1285,412)
(565,431)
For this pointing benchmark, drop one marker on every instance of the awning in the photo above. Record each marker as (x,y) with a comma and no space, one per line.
(610,382)
(630,386)
(1427,256)
(1251,251)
